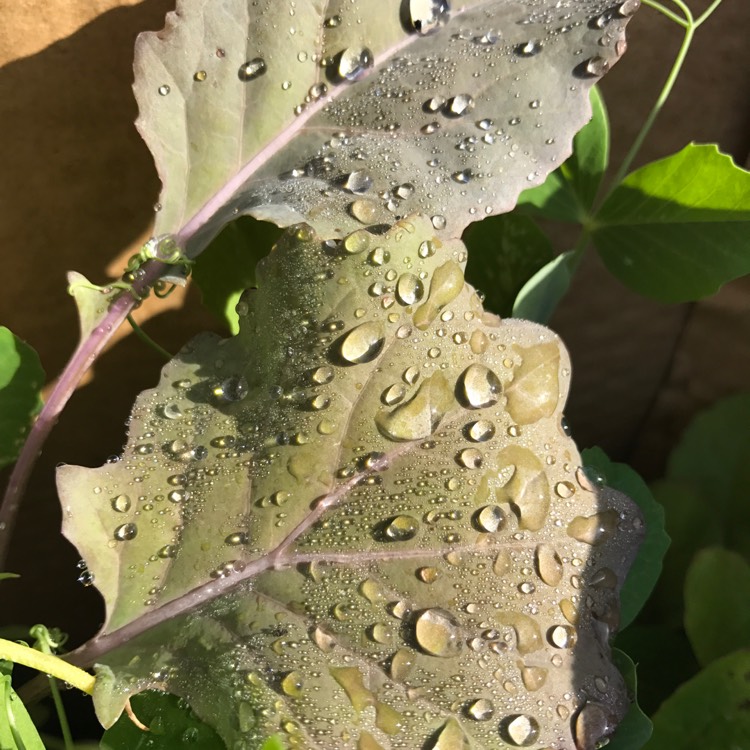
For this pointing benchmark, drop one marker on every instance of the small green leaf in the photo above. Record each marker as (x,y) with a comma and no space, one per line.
(710,711)
(717,604)
(171,722)
(21,379)
(691,526)
(679,228)
(635,729)
(647,566)
(568,193)
(227,267)
(541,294)
(17,730)
(5,576)
(504,253)
(585,169)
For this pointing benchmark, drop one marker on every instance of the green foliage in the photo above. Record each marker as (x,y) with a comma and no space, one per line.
(569,193)
(17,730)
(717,604)
(171,725)
(313,492)
(21,379)
(709,711)
(227,267)
(504,253)
(678,229)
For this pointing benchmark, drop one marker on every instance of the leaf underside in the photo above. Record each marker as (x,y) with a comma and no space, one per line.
(359,522)
(342,114)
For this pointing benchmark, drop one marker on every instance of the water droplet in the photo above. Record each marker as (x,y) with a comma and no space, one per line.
(293,684)
(401,528)
(428,574)
(411,375)
(591,726)
(239,537)
(520,730)
(480,431)
(231,390)
(323,639)
(548,564)
(365,211)
(438,633)
(419,417)
(470,458)
(481,710)
(322,375)
(200,76)
(409,289)
(596,529)
(447,283)
(478,387)
(628,8)
(527,631)
(363,343)
(252,69)
(490,518)
(529,49)
(357,242)
(427,16)
(401,664)
(533,677)
(463,177)
(439,221)
(353,62)
(125,532)
(604,578)
(596,66)
(121,503)
(164,90)
(458,106)
(561,636)
(358,182)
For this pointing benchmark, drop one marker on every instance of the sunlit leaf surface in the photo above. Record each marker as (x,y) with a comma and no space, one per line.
(343,114)
(359,522)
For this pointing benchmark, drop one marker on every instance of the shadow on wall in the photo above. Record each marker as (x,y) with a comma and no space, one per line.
(78,184)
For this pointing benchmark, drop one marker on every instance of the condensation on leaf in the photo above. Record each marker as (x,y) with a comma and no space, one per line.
(359,547)
(400,103)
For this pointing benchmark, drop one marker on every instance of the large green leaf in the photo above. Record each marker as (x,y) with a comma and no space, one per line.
(17,730)
(359,522)
(679,228)
(504,253)
(708,712)
(568,194)
(647,566)
(717,604)
(21,380)
(341,113)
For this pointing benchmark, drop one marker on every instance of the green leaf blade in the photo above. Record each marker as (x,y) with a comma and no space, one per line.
(21,381)
(717,604)
(504,252)
(541,294)
(677,229)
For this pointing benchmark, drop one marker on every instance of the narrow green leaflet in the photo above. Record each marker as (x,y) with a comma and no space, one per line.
(504,252)
(679,228)
(568,194)
(171,726)
(341,113)
(17,730)
(636,728)
(227,267)
(359,522)
(647,566)
(717,604)
(708,712)
(21,380)
(541,294)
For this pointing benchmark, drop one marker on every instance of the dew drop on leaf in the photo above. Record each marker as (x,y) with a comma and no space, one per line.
(252,69)
(427,16)
(478,387)
(363,343)
(125,532)
(438,633)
